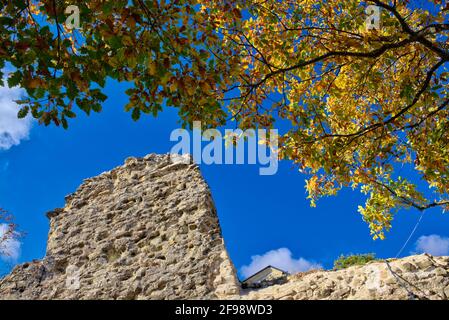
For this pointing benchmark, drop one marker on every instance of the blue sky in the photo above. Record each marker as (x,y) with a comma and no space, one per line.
(264,219)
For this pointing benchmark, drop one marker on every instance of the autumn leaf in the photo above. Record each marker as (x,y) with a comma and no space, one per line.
(356,104)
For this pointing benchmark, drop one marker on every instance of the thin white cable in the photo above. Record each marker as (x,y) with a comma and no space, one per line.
(411,234)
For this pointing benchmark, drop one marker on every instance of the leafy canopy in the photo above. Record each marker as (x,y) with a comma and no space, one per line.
(359,102)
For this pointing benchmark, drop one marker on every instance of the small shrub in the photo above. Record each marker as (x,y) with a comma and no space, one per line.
(353,260)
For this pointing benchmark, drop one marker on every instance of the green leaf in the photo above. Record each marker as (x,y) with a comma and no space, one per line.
(23,112)
(136,114)
(6,21)
(96,107)
(70,114)
(64,122)
(14,79)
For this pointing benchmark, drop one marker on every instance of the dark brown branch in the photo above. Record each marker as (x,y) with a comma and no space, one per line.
(413,34)
(400,113)
(371,54)
(410,202)
(431,114)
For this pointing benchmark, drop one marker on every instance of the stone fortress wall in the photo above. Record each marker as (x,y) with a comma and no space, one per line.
(146,230)
(149,230)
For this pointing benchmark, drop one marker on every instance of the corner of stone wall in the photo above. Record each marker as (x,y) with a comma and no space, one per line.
(226,283)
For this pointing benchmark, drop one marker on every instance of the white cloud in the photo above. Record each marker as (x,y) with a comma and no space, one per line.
(280,258)
(12,129)
(433,244)
(10,248)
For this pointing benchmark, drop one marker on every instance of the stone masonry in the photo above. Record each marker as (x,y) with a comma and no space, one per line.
(421,277)
(146,230)
(149,230)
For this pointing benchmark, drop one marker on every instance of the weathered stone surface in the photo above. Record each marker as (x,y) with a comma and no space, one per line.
(146,230)
(423,275)
(149,230)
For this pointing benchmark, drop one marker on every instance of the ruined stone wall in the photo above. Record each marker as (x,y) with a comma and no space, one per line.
(416,277)
(149,230)
(146,230)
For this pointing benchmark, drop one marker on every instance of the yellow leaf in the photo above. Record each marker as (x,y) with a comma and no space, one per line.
(152,68)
